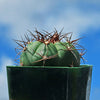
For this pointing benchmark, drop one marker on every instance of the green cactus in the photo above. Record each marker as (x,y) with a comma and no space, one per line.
(49,50)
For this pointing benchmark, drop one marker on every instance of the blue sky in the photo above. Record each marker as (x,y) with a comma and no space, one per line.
(82,17)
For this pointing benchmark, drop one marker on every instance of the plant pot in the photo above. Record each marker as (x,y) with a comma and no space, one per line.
(50,83)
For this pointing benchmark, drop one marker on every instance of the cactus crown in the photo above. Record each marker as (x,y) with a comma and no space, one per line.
(49,49)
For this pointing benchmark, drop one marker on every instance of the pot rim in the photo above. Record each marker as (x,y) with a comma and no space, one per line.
(61,67)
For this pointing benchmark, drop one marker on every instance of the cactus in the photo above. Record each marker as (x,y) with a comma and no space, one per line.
(49,49)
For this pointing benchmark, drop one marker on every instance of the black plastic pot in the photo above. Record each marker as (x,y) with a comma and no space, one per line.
(50,83)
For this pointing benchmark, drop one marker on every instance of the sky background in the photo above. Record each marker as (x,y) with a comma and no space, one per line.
(82,17)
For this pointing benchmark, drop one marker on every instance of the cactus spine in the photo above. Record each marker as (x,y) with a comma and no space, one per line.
(49,50)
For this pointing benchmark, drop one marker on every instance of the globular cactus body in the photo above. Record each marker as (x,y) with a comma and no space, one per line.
(49,51)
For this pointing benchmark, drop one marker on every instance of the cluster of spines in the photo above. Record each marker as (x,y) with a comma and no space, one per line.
(48,38)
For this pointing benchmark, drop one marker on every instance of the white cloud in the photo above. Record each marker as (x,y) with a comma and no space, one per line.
(28,14)
(3,78)
(75,21)
(95,94)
